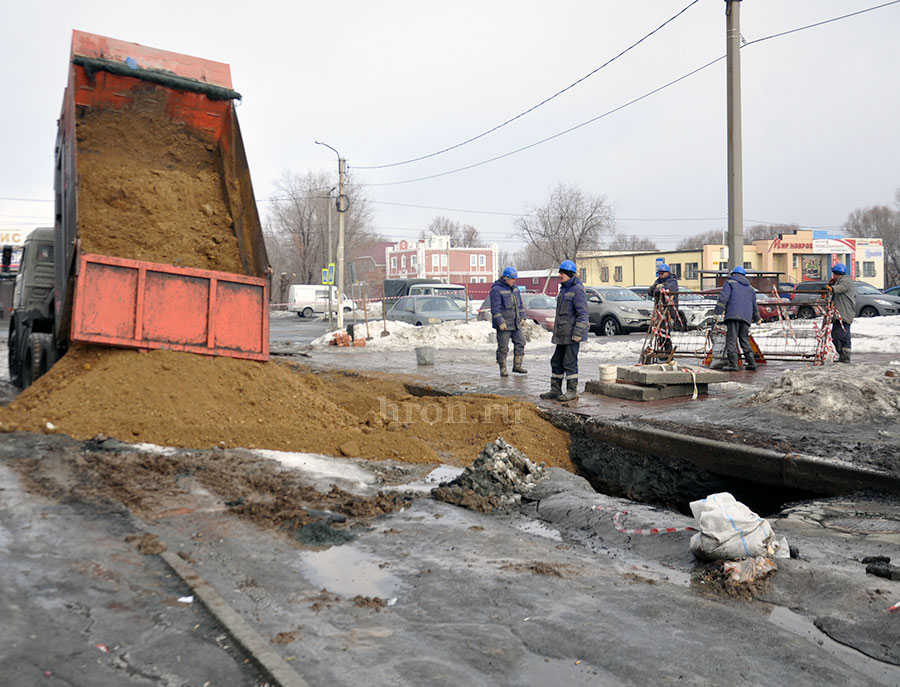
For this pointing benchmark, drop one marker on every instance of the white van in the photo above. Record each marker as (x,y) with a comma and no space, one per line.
(308,299)
(455,291)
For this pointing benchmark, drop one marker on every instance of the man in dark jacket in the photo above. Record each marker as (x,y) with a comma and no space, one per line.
(669,298)
(843,296)
(508,318)
(738,302)
(570,327)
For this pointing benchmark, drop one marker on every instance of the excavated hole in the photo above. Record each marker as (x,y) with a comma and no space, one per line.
(666,481)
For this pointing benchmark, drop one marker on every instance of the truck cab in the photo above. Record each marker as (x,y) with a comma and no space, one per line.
(31,325)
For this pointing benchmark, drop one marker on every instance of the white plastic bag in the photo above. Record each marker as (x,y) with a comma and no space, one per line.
(728,529)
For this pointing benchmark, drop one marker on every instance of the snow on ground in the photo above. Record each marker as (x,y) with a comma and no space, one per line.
(474,334)
(876,334)
(834,393)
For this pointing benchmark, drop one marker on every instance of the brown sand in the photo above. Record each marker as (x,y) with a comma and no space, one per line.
(186,400)
(150,189)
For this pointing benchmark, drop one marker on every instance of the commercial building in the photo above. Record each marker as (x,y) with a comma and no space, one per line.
(803,256)
(434,258)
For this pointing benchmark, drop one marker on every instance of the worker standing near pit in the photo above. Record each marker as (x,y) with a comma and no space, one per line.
(738,303)
(569,328)
(668,299)
(508,318)
(843,296)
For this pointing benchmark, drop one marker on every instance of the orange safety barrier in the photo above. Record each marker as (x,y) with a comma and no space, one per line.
(136,304)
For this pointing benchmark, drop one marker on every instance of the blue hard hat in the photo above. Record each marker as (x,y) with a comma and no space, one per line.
(739,269)
(662,267)
(568,265)
(839,268)
(510,273)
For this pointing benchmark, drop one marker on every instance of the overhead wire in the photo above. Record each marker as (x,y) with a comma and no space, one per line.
(630,102)
(535,107)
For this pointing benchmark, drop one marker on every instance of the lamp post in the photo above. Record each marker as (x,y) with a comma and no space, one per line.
(342,204)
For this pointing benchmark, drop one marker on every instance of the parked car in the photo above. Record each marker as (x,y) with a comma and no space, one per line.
(893,291)
(539,308)
(768,305)
(694,308)
(422,310)
(616,310)
(870,302)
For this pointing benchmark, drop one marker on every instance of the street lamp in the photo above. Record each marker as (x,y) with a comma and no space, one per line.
(342,206)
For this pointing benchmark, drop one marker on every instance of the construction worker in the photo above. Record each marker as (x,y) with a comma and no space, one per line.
(668,281)
(843,296)
(569,328)
(508,318)
(738,303)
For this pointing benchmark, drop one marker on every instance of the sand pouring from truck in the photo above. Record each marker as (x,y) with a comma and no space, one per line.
(157,241)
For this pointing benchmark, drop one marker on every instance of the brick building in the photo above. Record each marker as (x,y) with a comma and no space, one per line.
(434,258)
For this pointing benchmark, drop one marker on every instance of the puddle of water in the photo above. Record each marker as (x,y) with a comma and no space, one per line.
(539,528)
(882,673)
(347,571)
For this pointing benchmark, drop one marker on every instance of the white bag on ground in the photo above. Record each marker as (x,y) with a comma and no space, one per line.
(728,529)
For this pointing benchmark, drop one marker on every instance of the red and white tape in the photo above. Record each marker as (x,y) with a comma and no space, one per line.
(649,530)
(894,608)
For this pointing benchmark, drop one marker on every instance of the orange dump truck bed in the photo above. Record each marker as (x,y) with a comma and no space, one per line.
(158,240)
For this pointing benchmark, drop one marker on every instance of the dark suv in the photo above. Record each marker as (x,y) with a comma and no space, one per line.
(870,302)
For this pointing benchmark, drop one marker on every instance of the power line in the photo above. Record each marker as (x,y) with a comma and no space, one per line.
(630,102)
(533,108)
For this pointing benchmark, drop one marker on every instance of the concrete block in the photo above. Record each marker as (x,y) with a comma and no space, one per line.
(636,392)
(656,374)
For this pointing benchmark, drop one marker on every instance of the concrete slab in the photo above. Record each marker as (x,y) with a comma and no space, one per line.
(637,392)
(662,374)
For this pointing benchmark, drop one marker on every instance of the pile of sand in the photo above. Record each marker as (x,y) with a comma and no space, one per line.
(193,401)
(150,189)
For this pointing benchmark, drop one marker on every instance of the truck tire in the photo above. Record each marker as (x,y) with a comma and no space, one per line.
(15,367)
(307,312)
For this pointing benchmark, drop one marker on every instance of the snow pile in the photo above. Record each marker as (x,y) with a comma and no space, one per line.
(839,393)
(459,334)
(608,350)
(876,334)
(498,478)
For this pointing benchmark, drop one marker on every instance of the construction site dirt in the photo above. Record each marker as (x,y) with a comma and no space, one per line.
(341,562)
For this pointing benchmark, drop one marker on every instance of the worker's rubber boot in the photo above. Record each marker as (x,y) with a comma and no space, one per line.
(751,361)
(731,366)
(555,389)
(502,363)
(517,364)
(844,355)
(571,390)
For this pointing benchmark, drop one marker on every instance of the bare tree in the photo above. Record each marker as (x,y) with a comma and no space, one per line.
(460,234)
(296,227)
(623,241)
(569,222)
(716,237)
(880,222)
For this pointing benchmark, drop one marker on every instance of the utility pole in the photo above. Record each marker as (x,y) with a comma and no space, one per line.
(330,260)
(343,204)
(735,176)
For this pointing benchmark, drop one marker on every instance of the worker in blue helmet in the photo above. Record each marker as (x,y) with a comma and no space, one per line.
(508,318)
(737,302)
(843,297)
(664,293)
(569,328)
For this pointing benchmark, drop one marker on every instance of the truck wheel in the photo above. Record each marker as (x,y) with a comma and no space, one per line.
(307,312)
(610,327)
(31,360)
(15,368)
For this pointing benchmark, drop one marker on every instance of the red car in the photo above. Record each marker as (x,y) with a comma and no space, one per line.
(767,303)
(539,308)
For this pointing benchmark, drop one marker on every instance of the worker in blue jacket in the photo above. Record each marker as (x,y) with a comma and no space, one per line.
(569,328)
(738,303)
(508,318)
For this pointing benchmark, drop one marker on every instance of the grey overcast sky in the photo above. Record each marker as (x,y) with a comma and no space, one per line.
(389,80)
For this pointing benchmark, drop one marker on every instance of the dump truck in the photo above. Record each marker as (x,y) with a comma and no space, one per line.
(156,241)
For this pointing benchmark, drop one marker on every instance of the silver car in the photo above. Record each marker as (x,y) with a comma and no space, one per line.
(422,310)
(616,310)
